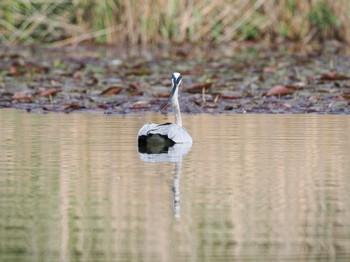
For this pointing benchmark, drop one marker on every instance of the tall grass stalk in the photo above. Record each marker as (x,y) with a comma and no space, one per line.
(155,21)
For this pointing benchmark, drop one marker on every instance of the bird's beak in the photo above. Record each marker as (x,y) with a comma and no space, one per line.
(176,83)
(172,92)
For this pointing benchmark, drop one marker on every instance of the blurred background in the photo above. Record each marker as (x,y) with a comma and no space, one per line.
(65,22)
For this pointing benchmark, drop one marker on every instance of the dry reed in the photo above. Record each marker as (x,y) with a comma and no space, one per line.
(156,21)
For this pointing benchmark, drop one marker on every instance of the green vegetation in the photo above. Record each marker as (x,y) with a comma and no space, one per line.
(154,21)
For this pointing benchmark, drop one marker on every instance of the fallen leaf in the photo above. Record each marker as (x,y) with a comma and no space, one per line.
(297,86)
(134,89)
(114,90)
(101,106)
(279,90)
(21,96)
(210,106)
(198,88)
(72,107)
(230,96)
(135,86)
(48,92)
(139,107)
(47,108)
(161,95)
(345,97)
(333,76)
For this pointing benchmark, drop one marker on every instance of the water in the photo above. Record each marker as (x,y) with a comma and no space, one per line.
(252,187)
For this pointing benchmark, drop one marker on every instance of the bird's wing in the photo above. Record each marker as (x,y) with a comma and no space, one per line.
(144,131)
(162,129)
(174,132)
(179,134)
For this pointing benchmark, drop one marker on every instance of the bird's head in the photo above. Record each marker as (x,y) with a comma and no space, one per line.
(175,80)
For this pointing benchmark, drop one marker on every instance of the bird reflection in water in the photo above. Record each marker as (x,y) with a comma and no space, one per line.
(174,154)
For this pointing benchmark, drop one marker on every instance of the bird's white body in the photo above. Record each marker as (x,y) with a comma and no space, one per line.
(168,132)
(174,132)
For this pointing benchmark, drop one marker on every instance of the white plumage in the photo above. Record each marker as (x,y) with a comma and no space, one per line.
(168,133)
(174,132)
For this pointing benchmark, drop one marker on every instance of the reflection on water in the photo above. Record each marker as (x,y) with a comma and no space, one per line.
(253,187)
(173,153)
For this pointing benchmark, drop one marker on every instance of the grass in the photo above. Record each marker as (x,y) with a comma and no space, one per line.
(65,22)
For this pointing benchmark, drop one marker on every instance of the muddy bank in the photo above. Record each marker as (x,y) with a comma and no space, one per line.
(215,79)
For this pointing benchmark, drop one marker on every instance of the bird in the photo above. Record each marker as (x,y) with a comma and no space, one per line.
(167,134)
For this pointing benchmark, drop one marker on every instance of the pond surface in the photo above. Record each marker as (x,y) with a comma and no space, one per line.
(252,187)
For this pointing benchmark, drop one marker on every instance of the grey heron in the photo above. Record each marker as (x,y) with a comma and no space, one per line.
(168,134)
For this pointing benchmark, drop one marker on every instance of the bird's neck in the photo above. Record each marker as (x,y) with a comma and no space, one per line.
(176,108)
